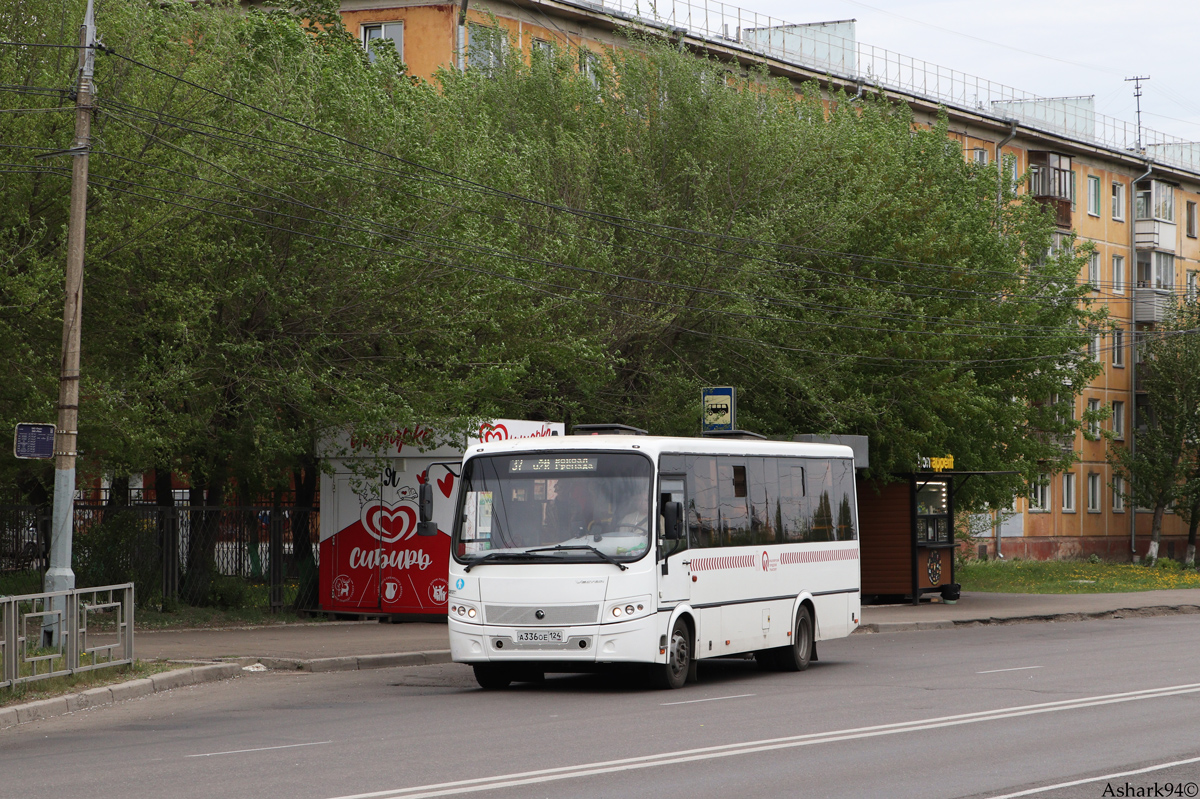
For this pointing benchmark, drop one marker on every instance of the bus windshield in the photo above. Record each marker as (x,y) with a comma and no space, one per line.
(584,506)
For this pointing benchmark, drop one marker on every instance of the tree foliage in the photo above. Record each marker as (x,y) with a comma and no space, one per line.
(285,238)
(1163,471)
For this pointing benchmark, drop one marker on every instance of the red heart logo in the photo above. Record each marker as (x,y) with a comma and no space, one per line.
(422,477)
(493,432)
(446,484)
(389,523)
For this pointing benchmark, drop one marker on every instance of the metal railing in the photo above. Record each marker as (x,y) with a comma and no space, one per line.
(93,626)
(832,48)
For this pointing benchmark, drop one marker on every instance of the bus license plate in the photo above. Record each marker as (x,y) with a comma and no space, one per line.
(541,636)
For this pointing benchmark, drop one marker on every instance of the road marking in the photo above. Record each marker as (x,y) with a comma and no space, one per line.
(764,745)
(713,699)
(1018,668)
(1073,783)
(260,749)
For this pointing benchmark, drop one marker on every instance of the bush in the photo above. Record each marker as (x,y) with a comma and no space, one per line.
(228,593)
(1168,564)
(122,549)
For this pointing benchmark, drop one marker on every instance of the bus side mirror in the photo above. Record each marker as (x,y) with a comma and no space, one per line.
(672,521)
(426,526)
(425,502)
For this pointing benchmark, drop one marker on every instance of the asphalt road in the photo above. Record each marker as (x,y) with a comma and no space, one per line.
(979,712)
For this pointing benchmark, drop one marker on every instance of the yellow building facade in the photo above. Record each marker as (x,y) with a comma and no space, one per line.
(1132,193)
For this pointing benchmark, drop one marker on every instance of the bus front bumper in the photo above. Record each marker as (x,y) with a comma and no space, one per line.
(634,641)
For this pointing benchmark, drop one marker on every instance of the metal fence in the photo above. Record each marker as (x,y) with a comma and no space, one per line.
(93,630)
(237,556)
(833,48)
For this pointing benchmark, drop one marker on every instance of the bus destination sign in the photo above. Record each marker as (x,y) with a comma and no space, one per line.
(34,441)
(518,465)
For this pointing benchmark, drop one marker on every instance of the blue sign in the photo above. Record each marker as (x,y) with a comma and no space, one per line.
(459,584)
(34,441)
(718,409)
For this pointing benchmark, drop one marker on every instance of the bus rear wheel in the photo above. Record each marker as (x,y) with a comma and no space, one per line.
(674,673)
(492,677)
(797,656)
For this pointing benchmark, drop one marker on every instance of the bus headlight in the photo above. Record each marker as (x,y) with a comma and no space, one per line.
(629,609)
(463,612)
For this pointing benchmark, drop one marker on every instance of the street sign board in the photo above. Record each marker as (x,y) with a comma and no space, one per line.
(718,408)
(34,440)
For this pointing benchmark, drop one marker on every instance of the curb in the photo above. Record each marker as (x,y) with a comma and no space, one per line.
(946,624)
(359,662)
(110,694)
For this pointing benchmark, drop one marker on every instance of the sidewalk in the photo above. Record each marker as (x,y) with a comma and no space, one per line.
(358,639)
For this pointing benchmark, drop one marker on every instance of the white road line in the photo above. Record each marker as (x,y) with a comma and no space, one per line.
(260,749)
(713,699)
(765,745)
(1018,668)
(1073,783)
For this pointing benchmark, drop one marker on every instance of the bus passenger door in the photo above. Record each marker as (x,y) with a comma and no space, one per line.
(674,577)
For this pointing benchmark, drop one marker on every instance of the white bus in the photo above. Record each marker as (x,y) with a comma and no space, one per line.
(569,553)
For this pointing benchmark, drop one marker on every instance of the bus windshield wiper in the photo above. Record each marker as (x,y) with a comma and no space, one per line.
(565,548)
(502,556)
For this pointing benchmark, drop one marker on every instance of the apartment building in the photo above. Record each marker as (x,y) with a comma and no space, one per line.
(1132,192)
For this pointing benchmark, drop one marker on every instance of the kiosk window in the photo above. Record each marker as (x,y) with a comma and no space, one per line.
(933,521)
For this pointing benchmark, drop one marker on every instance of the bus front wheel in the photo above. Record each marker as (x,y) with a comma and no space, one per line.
(797,656)
(492,677)
(674,673)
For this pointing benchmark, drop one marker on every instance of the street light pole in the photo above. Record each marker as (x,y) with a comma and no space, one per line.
(60,577)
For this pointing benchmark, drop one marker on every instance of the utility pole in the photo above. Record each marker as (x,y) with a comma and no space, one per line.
(1137,94)
(60,577)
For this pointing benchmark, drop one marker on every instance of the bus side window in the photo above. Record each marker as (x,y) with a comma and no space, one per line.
(790,523)
(703,501)
(733,510)
(820,492)
(846,528)
(764,498)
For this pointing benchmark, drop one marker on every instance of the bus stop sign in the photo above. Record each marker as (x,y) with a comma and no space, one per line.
(718,409)
(34,440)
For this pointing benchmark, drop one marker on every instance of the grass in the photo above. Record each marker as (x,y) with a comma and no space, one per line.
(1072,577)
(58,686)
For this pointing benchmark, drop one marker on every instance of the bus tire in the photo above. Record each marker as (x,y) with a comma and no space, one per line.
(492,677)
(674,673)
(798,654)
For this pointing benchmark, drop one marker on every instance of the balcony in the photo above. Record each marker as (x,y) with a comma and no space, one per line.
(1153,234)
(1149,304)
(1052,186)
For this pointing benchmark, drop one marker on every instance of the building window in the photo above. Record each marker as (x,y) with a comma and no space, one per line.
(1094,271)
(1073,183)
(1118,419)
(1155,200)
(1068,487)
(1118,274)
(1039,494)
(1191,219)
(379,33)
(1093,195)
(589,65)
(1093,493)
(485,48)
(1118,201)
(1094,347)
(1193,285)
(979,156)
(1156,270)
(1118,486)
(1093,431)
(1014,172)
(540,48)
(1118,351)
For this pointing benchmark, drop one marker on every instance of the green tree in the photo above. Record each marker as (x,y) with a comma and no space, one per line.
(1162,471)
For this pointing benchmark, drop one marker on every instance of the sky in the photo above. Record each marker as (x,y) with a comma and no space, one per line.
(1051,48)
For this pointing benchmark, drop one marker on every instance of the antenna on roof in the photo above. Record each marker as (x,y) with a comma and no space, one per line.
(1137,93)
